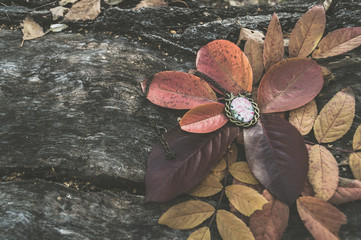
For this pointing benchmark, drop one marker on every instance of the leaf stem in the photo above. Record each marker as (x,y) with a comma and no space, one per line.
(328,147)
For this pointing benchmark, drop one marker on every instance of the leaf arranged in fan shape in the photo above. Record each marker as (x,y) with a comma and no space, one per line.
(196,154)
(245,199)
(277,156)
(348,190)
(355,164)
(307,32)
(231,227)
(178,90)
(336,117)
(206,188)
(253,51)
(186,215)
(242,172)
(289,84)
(273,49)
(271,221)
(323,172)
(338,42)
(200,234)
(321,219)
(225,63)
(204,118)
(304,117)
(356,142)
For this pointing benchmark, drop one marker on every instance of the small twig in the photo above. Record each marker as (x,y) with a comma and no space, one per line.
(343,163)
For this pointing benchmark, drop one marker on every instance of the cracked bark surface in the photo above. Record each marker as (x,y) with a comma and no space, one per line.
(76,129)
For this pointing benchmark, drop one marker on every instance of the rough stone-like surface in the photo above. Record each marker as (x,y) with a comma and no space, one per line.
(72,113)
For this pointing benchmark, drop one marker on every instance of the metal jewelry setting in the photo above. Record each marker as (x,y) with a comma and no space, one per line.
(241,109)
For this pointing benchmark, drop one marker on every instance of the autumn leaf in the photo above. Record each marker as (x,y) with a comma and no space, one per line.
(246,200)
(224,62)
(246,34)
(356,142)
(58,12)
(277,156)
(83,10)
(178,90)
(304,117)
(307,32)
(273,49)
(187,215)
(242,172)
(323,172)
(348,190)
(31,29)
(232,154)
(355,164)
(320,218)
(221,165)
(208,187)
(336,117)
(338,42)
(204,118)
(200,234)
(231,227)
(270,222)
(166,179)
(289,84)
(253,51)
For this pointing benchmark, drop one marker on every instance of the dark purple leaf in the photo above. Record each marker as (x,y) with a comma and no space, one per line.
(195,153)
(277,156)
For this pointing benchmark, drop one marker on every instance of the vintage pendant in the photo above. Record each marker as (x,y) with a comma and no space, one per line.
(242,110)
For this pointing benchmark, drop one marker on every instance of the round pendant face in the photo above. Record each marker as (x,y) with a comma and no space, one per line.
(242,110)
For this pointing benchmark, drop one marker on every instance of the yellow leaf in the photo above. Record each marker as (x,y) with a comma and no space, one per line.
(186,215)
(219,174)
(200,234)
(323,172)
(356,143)
(83,10)
(336,117)
(355,164)
(304,117)
(242,172)
(231,227)
(245,199)
(31,29)
(221,165)
(208,187)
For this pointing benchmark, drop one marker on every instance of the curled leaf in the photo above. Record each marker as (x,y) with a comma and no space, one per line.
(273,49)
(338,42)
(200,234)
(231,227)
(336,117)
(320,218)
(289,84)
(208,187)
(253,51)
(178,90)
(204,118)
(186,215)
(355,164)
(271,221)
(307,32)
(242,172)
(304,117)
(323,172)
(348,190)
(356,142)
(224,62)
(83,10)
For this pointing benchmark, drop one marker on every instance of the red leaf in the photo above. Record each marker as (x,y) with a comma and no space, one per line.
(196,154)
(348,190)
(273,49)
(178,90)
(277,156)
(289,84)
(204,118)
(226,64)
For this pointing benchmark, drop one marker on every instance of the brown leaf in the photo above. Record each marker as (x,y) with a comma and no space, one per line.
(246,34)
(242,172)
(323,172)
(83,10)
(356,142)
(231,227)
(348,190)
(336,117)
(58,12)
(355,164)
(200,234)
(31,29)
(151,3)
(304,117)
(308,190)
(338,42)
(186,215)
(270,222)
(307,32)
(327,75)
(208,187)
(253,51)
(273,49)
(320,218)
